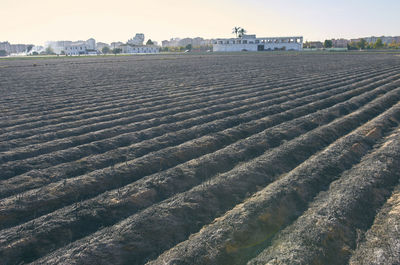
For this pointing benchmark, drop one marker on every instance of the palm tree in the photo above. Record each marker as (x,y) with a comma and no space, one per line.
(241,32)
(236,31)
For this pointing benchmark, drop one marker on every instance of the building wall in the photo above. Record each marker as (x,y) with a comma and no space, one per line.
(76,49)
(139,49)
(251,43)
(234,47)
(137,40)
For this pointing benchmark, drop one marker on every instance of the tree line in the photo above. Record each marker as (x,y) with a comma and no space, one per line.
(362,44)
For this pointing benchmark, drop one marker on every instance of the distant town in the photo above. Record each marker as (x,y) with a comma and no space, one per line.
(241,42)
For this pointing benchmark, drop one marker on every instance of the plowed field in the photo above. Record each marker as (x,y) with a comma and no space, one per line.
(249,158)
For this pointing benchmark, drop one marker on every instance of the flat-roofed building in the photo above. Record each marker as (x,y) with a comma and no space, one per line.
(339,43)
(252,43)
(134,49)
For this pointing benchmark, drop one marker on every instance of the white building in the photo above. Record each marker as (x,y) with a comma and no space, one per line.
(116,44)
(101,45)
(134,49)
(252,43)
(73,47)
(91,44)
(81,47)
(137,40)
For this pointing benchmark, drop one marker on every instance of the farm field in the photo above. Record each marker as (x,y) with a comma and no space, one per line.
(248,158)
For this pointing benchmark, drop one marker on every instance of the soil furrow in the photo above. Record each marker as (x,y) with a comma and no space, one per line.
(185,213)
(327,232)
(248,228)
(118,155)
(42,200)
(80,219)
(130,102)
(381,243)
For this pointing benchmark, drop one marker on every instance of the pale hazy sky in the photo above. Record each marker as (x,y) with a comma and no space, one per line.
(35,21)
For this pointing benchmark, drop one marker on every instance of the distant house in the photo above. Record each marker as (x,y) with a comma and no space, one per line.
(315,45)
(137,40)
(101,45)
(73,47)
(252,43)
(81,48)
(8,48)
(339,43)
(115,45)
(135,49)
(195,42)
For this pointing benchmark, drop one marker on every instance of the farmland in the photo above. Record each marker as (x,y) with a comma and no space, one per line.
(248,158)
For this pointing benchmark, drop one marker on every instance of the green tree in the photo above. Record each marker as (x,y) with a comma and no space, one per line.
(3,53)
(116,51)
(235,31)
(189,47)
(29,48)
(49,50)
(105,50)
(393,45)
(328,44)
(362,44)
(378,44)
(149,42)
(242,31)
(352,45)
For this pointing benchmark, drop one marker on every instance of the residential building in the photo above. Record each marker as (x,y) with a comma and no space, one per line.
(195,42)
(135,49)
(173,42)
(14,48)
(58,46)
(339,43)
(314,45)
(81,47)
(115,45)
(137,40)
(101,45)
(5,46)
(252,43)
(72,47)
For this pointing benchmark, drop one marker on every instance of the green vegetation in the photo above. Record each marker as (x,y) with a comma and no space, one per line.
(235,31)
(49,51)
(116,51)
(105,50)
(239,32)
(242,31)
(379,45)
(189,47)
(328,44)
(149,42)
